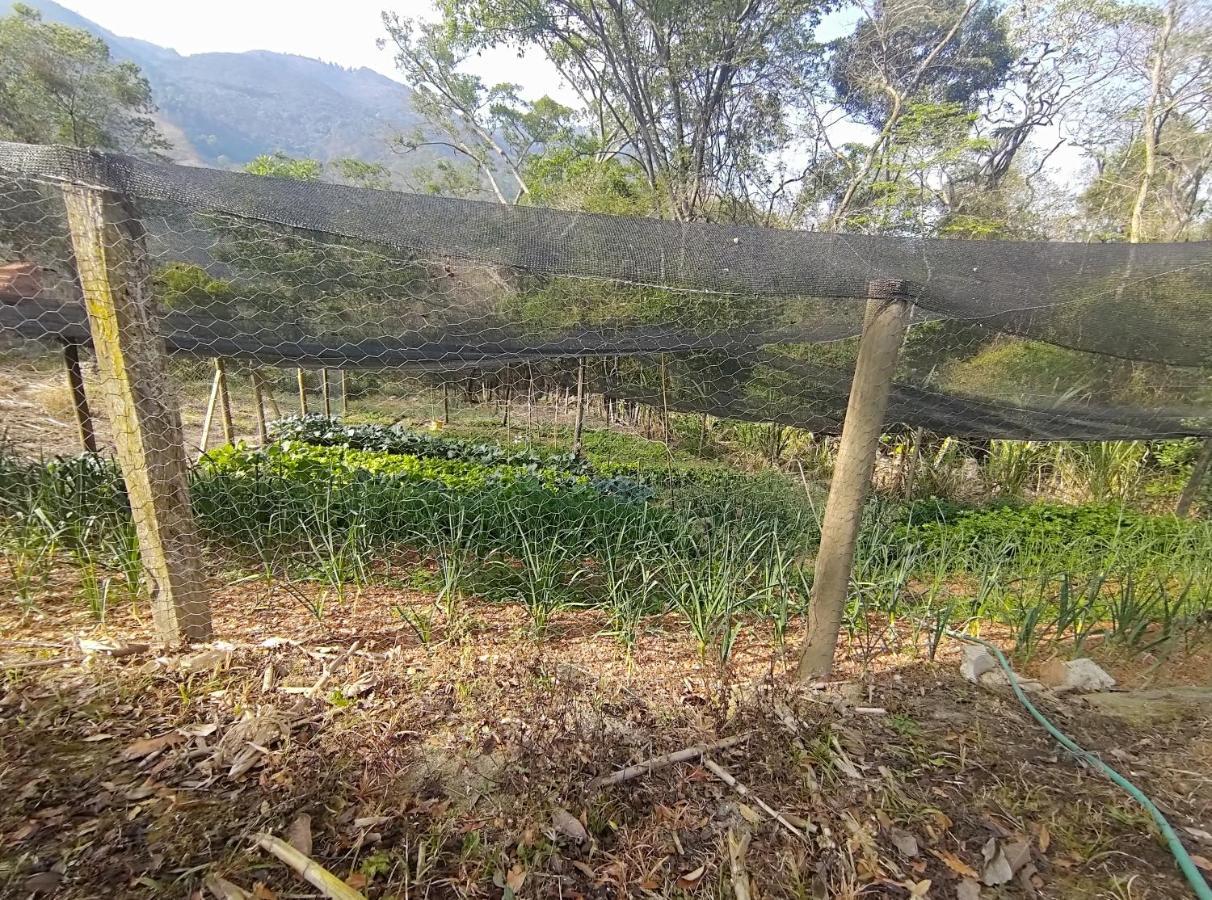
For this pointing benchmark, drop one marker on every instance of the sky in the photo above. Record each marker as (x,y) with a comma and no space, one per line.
(341,32)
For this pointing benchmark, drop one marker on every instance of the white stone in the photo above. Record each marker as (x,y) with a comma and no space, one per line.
(1081,675)
(977,661)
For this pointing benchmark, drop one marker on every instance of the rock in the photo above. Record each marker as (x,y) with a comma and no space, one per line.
(1083,675)
(568,826)
(905,842)
(977,661)
(997,868)
(1154,706)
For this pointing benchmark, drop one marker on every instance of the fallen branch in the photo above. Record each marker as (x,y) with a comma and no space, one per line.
(308,869)
(725,776)
(661,762)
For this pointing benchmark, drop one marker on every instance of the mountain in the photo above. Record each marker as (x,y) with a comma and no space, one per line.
(223,109)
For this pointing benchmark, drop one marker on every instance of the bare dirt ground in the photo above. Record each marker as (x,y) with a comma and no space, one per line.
(463,766)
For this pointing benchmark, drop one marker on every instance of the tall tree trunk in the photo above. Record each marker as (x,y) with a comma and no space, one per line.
(1152,124)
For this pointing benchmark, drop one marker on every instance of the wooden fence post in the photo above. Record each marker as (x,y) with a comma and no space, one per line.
(325,392)
(344,393)
(75,383)
(1198,473)
(108,241)
(884,325)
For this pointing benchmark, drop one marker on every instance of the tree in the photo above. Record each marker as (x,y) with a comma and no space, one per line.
(279,165)
(949,53)
(690,91)
(60,85)
(493,128)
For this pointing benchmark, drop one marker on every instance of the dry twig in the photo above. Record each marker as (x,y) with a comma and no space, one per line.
(725,776)
(661,762)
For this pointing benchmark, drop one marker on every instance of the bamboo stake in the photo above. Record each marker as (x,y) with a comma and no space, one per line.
(301,379)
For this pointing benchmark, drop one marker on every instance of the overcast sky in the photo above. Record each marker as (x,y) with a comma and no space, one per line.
(341,32)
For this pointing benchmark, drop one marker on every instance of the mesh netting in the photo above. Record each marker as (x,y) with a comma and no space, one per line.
(400,293)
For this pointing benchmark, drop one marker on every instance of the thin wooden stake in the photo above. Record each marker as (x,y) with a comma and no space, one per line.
(302,382)
(229,430)
(209,419)
(578,425)
(259,405)
(884,326)
(75,384)
(274,409)
(1200,471)
(344,393)
(111,260)
(445,403)
(325,392)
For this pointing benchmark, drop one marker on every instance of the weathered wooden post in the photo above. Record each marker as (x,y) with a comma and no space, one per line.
(75,384)
(445,403)
(884,325)
(325,392)
(1200,471)
(344,393)
(111,260)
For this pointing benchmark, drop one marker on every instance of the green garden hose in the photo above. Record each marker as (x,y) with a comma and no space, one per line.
(1181,856)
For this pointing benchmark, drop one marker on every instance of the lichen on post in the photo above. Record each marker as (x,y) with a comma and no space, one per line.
(111,260)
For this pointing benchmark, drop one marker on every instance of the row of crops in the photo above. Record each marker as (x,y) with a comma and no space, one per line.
(326,509)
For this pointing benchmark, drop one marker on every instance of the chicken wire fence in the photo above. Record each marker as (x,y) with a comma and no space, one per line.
(403,304)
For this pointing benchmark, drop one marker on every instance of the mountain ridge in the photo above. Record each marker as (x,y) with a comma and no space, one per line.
(222,109)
